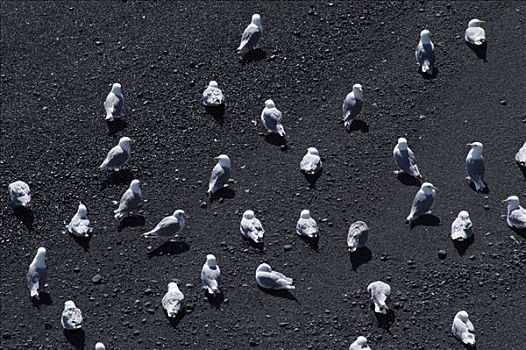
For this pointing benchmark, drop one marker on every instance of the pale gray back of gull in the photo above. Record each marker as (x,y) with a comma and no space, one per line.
(210,274)
(306,225)
(516,216)
(118,155)
(251,35)
(212,96)
(79,224)
(19,193)
(130,200)
(357,235)
(520,157)
(405,158)
(379,292)
(423,201)
(168,227)
(352,105)
(71,316)
(220,174)
(475,34)
(462,228)
(425,52)
(37,273)
(114,102)
(268,279)
(311,162)
(463,329)
(251,227)
(475,165)
(271,118)
(360,344)
(173,300)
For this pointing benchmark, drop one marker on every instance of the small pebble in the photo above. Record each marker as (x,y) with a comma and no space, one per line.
(287,247)
(96,279)
(442,254)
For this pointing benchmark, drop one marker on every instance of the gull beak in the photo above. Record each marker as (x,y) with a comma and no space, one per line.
(505,201)
(435,188)
(469,145)
(482,21)
(216,158)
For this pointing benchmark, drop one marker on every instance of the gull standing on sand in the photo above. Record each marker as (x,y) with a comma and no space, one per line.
(79,224)
(520,157)
(271,118)
(405,159)
(220,174)
(117,156)
(311,162)
(100,346)
(37,273)
(173,300)
(251,35)
(463,329)
(379,292)
(212,96)
(423,201)
(114,102)
(425,52)
(516,216)
(306,225)
(210,275)
(19,193)
(357,235)
(462,228)
(130,200)
(251,227)
(360,344)
(71,316)
(268,279)
(475,165)
(475,34)
(352,105)
(169,227)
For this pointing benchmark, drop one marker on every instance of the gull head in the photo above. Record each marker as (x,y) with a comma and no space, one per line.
(475,23)
(179,213)
(362,341)
(476,148)
(82,210)
(116,88)
(172,286)
(264,268)
(213,84)
(305,214)
(513,201)
(135,186)
(124,143)
(269,104)
(463,316)
(428,188)
(312,150)
(211,260)
(256,19)
(100,346)
(223,160)
(40,258)
(425,36)
(402,143)
(464,215)
(69,305)
(248,214)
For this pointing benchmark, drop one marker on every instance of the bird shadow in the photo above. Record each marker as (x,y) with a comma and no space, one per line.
(115,126)
(282,293)
(215,299)
(462,246)
(254,55)
(259,246)
(408,180)
(523,170)
(360,256)
(386,320)
(479,50)
(44,298)
(174,321)
(121,177)
(358,125)
(224,193)
(276,140)
(485,190)
(25,215)
(76,337)
(131,221)
(170,248)
(520,231)
(429,76)
(82,241)
(312,242)
(426,220)
(312,178)
(217,112)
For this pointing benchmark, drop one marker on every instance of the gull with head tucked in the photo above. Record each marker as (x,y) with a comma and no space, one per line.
(475,34)
(79,224)
(173,301)
(306,225)
(463,329)
(210,274)
(251,227)
(269,279)
(19,193)
(212,96)
(516,216)
(379,292)
(311,162)
(425,52)
(462,228)
(271,118)
(71,316)
(360,344)
(251,35)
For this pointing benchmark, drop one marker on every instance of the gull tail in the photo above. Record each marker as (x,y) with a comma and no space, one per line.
(119,216)
(426,66)
(34,294)
(109,116)
(479,185)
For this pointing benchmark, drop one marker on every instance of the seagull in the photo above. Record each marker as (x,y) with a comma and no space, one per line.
(173,300)
(169,227)
(379,292)
(71,316)
(268,279)
(463,329)
(360,344)
(130,200)
(220,174)
(352,105)
(357,235)
(100,346)
(114,102)
(271,118)
(79,224)
(462,228)
(306,225)
(520,157)
(405,159)
(475,165)
(423,201)
(212,96)
(311,162)
(251,35)
(117,156)
(425,52)
(251,228)
(210,275)
(475,34)
(19,193)
(516,217)
(37,273)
